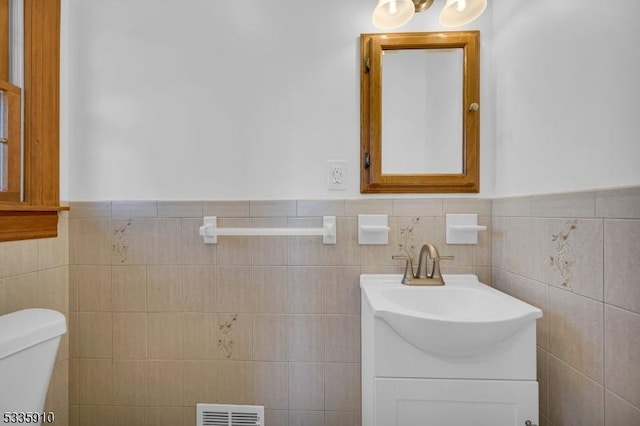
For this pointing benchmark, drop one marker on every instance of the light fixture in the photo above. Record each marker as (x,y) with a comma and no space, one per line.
(460,12)
(390,14)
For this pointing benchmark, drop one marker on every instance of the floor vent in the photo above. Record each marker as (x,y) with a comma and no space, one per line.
(230,415)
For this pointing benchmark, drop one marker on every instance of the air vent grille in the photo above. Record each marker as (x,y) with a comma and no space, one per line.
(244,419)
(230,415)
(215,418)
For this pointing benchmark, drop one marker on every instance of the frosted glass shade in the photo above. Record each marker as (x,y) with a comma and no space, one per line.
(390,14)
(460,12)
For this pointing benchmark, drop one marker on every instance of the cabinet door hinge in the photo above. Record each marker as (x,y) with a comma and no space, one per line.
(367,65)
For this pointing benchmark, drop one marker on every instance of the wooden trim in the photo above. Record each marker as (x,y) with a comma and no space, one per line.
(41,102)
(365,154)
(408,189)
(27,225)
(9,196)
(372,180)
(4,40)
(10,207)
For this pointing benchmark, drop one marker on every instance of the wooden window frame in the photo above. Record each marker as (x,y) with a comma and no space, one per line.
(37,215)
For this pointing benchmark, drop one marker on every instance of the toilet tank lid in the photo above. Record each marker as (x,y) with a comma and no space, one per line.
(23,329)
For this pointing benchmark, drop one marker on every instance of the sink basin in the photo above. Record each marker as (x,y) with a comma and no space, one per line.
(461,318)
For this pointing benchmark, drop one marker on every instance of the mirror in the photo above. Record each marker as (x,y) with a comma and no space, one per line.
(421,104)
(419,118)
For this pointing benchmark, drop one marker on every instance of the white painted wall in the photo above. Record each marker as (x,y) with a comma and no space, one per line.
(567,94)
(202,99)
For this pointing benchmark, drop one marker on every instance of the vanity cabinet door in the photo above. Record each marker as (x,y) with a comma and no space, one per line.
(426,402)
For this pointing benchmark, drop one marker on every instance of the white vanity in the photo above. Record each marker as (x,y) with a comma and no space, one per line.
(454,355)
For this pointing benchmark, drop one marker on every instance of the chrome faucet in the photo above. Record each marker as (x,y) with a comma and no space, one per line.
(424,277)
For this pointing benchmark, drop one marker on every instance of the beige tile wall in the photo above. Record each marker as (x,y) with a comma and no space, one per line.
(160,321)
(35,274)
(577,257)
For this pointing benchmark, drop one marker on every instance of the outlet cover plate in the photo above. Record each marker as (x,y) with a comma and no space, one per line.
(337,175)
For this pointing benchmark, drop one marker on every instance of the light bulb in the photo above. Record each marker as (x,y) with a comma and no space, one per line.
(462,5)
(393,7)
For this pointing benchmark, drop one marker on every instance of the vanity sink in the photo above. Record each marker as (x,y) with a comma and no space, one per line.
(456,354)
(461,318)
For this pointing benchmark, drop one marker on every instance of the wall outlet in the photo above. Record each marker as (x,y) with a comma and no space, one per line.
(337,175)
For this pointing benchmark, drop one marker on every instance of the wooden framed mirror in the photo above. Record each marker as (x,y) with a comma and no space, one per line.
(419,119)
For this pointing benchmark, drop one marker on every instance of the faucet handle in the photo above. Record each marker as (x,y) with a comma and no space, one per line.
(435,272)
(400,257)
(405,258)
(408,259)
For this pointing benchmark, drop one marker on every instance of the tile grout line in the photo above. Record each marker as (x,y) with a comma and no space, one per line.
(604,325)
(557,287)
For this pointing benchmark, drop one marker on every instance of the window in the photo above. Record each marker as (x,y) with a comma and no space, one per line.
(32,110)
(9,142)
(4,142)
(9,116)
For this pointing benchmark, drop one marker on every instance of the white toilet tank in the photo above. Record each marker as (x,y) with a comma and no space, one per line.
(29,342)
